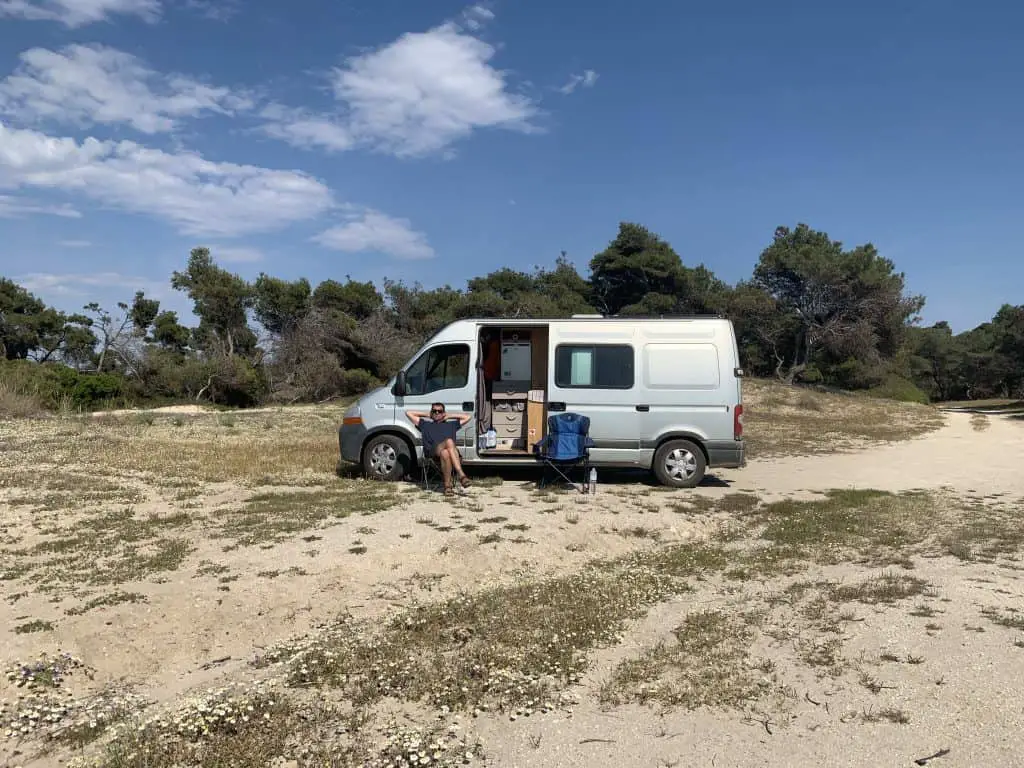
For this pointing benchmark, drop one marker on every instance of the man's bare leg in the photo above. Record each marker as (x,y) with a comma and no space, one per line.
(446,468)
(449,446)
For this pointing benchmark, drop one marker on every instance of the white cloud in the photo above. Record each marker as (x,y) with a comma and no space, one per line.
(12,207)
(415,96)
(302,129)
(90,84)
(236,254)
(476,16)
(197,195)
(86,285)
(585,80)
(426,90)
(75,243)
(215,10)
(77,13)
(370,230)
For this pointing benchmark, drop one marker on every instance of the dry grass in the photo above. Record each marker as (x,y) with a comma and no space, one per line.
(269,518)
(788,421)
(297,445)
(705,666)
(17,403)
(870,523)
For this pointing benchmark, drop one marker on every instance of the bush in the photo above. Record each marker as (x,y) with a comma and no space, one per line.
(17,404)
(898,388)
(357,382)
(52,386)
(94,389)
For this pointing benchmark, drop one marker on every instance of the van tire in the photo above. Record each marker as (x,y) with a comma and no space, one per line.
(679,464)
(386,457)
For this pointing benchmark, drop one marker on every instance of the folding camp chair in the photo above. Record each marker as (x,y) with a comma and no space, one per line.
(433,473)
(566,447)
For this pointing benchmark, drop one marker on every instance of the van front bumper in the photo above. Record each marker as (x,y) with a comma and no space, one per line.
(730,454)
(350,442)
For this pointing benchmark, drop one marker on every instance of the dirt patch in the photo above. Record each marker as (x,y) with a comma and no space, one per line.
(197,566)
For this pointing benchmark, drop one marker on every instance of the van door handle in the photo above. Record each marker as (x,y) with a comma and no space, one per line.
(643,408)
(467,406)
(556,406)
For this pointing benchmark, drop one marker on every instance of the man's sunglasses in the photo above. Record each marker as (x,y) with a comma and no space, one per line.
(435,412)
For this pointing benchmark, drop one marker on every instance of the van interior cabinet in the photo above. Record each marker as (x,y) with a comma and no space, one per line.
(515,360)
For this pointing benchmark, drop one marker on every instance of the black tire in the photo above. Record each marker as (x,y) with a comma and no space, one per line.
(679,464)
(386,457)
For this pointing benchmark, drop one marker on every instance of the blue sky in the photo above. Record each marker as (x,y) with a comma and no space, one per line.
(437,141)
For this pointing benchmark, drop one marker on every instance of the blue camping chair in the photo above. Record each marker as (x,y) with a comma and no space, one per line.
(566,447)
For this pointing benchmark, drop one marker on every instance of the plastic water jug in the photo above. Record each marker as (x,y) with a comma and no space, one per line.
(491,438)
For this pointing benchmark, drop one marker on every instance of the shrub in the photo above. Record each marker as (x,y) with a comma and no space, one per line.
(357,382)
(16,403)
(94,389)
(898,388)
(51,386)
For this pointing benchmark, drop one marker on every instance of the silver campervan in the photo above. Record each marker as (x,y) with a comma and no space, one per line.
(661,394)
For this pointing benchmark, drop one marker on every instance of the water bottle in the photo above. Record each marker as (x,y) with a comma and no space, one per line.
(491,438)
(593,480)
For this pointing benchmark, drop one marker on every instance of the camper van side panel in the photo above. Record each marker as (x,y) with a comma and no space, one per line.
(592,369)
(687,371)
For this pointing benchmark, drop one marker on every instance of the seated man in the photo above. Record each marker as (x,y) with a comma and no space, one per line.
(439,429)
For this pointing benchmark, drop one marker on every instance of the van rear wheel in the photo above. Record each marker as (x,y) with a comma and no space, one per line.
(679,464)
(386,458)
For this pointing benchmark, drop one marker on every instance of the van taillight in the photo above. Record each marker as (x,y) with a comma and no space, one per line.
(737,423)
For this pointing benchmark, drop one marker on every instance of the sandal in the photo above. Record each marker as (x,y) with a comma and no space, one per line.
(449,491)
(465,482)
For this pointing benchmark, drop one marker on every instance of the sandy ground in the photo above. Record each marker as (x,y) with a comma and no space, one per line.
(961,456)
(962,698)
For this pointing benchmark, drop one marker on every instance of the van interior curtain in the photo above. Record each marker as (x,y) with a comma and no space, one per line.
(483,416)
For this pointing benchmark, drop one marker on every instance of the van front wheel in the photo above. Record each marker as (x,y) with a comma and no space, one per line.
(386,458)
(679,464)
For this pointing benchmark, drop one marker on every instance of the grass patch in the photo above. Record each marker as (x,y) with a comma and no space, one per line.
(787,421)
(737,503)
(287,445)
(1010,619)
(893,715)
(113,547)
(107,601)
(705,666)
(502,647)
(275,517)
(885,588)
(36,625)
(986,533)
(869,522)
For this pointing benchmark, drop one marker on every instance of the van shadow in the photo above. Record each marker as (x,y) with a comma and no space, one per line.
(531,475)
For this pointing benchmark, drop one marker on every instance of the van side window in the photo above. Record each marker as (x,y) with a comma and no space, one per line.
(594,366)
(442,367)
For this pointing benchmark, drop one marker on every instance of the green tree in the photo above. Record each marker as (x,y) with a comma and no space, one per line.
(357,300)
(640,274)
(849,307)
(169,333)
(221,301)
(635,273)
(67,338)
(280,305)
(20,313)
(143,312)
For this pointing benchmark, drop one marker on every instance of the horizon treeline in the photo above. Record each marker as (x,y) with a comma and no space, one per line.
(812,312)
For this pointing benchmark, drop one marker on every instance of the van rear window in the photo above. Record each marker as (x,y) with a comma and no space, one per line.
(594,366)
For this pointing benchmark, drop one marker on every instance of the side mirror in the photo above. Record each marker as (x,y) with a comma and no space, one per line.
(400,387)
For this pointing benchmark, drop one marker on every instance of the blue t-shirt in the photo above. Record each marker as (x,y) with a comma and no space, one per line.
(436,432)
